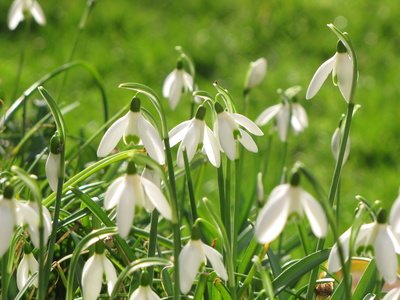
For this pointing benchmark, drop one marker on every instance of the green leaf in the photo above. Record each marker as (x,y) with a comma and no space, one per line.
(367,282)
(339,291)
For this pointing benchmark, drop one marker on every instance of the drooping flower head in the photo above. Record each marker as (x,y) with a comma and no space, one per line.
(256,73)
(193,256)
(134,129)
(144,291)
(284,201)
(27,267)
(229,133)
(130,191)
(336,142)
(53,162)
(195,136)
(20,7)
(341,67)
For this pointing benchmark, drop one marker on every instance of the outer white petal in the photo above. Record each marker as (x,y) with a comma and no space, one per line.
(211,147)
(345,74)
(247,141)
(187,81)
(37,13)
(33,267)
(31,217)
(394,217)
(15,14)
(273,216)
(257,72)
(92,277)
(393,294)
(335,145)
(47,219)
(268,114)
(111,274)
(53,170)
(112,136)
(315,214)
(113,193)
(247,123)
(225,136)
(144,293)
(178,132)
(151,140)
(334,264)
(8,220)
(299,118)
(158,199)
(190,142)
(190,259)
(320,76)
(175,89)
(22,272)
(385,255)
(130,196)
(282,120)
(169,80)
(215,259)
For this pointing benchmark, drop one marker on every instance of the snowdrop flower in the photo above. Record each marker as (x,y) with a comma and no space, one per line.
(133,127)
(53,162)
(8,218)
(193,255)
(228,131)
(176,83)
(378,236)
(284,201)
(195,135)
(341,66)
(27,267)
(94,270)
(256,73)
(144,291)
(132,190)
(394,217)
(393,294)
(19,7)
(335,145)
(281,112)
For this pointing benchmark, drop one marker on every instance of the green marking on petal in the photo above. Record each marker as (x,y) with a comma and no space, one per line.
(131,139)
(8,192)
(236,134)
(135,104)
(340,47)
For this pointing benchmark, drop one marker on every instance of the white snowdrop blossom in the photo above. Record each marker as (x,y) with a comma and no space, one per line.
(53,163)
(19,7)
(134,129)
(95,269)
(144,291)
(26,268)
(394,217)
(281,112)
(374,239)
(335,145)
(176,83)
(341,66)
(130,191)
(286,200)
(256,73)
(193,255)
(8,218)
(393,294)
(228,131)
(194,136)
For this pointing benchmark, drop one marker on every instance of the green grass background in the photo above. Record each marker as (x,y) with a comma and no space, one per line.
(133,41)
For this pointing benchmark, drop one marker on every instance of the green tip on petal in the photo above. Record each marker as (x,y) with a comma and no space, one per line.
(27,248)
(55,144)
(340,47)
(131,169)
(218,108)
(201,113)
(295,179)
(195,233)
(145,278)
(135,104)
(382,216)
(179,65)
(8,192)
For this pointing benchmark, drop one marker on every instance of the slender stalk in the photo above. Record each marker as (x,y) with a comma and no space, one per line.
(221,192)
(5,275)
(228,209)
(190,186)
(152,240)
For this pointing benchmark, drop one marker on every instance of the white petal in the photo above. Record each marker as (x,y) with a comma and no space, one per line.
(168,83)
(15,14)
(31,217)
(283,123)
(273,216)
(53,170)
(215,259)
(144,293)
(47,219)
(385,255)
(190,259)
(247,141)
(187,81)
(394,217)
(111,274)
(320,76)
(113,193)
(151,140)
(211,147)
(299,118)
(8,220)
(268,114)
(345,74)
(257,72)
(190,142)
(112,136)
(37,13)
(33,267)
(334,264)
(225,136)
(335,145)
(22,272)
(126,208)
(393,294)
(247,123)
(173,87)
(92,277)
(315,214)
(158,199)
(178,132)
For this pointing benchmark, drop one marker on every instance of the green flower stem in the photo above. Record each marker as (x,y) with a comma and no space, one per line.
(151,252)
(228,208)
(5,275)
(221,193)
(265,279)
(190,186)
(236,211)
(201,287)
(303,233)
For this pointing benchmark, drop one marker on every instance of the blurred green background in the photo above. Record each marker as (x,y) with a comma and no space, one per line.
(134,41)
